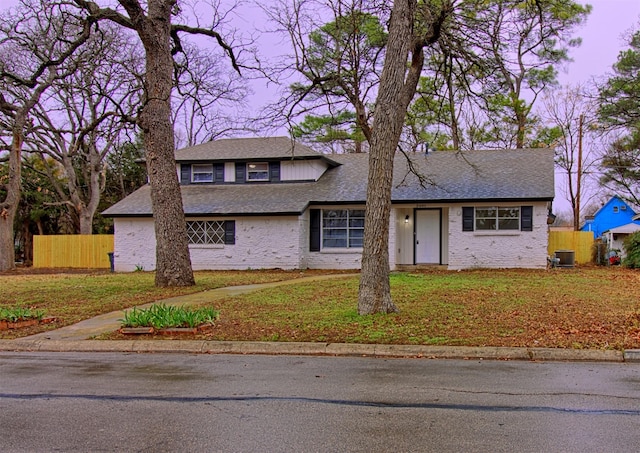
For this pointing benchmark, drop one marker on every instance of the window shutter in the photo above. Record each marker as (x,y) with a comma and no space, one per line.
(467,219)
(526,218)
(185,174)
(218,172)
(230,232)
(314,230)
(274,171)
(241,172)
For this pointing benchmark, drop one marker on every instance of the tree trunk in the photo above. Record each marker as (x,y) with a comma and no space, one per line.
(9,205)
(86,221)
(88,210)
(27,244)
(391,105)
(173,262)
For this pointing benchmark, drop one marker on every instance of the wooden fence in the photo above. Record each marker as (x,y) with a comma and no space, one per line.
(581,242)
(91,251)
(78,250)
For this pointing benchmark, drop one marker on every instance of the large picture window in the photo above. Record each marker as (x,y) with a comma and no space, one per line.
(211,232)
(494,218)
(498,218)
(342,228)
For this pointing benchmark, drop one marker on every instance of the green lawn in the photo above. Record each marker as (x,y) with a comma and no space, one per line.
(595,307)
(73,297)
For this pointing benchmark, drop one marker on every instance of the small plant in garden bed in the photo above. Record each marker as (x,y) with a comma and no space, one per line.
(19,317)
(16,314)
(161,316)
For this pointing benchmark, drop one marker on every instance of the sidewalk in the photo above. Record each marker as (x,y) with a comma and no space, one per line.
(77,338)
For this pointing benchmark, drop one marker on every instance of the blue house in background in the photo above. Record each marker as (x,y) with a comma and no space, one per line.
(616,212)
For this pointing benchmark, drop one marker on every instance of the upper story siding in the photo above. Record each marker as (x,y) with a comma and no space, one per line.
(238,172)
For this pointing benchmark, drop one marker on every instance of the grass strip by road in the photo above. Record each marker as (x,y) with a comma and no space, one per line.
(73,297)
(594,307)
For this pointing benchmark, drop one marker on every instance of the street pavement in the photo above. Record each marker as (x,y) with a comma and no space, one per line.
(114,401)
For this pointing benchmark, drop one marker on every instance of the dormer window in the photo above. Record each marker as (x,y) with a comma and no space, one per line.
(201,173)
(258,171)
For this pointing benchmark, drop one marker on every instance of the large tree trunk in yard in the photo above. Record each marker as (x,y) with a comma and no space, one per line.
(9,206)
(394,96)
(173,262)
(88,210)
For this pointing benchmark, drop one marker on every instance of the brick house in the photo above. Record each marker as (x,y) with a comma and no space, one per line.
(271,203)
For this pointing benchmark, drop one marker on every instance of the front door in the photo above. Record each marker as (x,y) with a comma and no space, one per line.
(427,236)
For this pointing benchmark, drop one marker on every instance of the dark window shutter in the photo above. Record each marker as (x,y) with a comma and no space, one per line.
(274,171)
(314,230)
(241,172)
(467,219)
(526,218)
(218,172)
(230,232)
(185,174)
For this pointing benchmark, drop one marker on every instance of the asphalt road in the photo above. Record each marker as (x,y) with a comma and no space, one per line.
(255,403)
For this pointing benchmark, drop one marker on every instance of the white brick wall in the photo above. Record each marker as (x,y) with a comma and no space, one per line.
(134,244)
(260,244)
(283,242)
(334,259)
(526,249)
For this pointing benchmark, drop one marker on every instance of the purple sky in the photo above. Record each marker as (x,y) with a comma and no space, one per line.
(602,39)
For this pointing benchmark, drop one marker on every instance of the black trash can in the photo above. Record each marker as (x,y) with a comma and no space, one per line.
(111,261)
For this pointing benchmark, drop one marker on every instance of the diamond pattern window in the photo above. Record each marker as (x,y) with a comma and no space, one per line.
(206,232)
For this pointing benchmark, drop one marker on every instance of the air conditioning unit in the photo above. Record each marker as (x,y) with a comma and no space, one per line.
(566,258)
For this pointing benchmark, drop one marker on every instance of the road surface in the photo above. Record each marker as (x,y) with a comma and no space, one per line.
(256,403)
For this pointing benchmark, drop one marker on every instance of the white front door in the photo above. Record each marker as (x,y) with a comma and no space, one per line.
(427,236)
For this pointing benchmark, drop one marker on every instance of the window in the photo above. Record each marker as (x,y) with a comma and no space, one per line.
(497,218)
(202,173)
(211,232)
(342,228)
(258,171)
(615,209)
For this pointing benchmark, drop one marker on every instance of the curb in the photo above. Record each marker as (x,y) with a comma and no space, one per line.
(321,349)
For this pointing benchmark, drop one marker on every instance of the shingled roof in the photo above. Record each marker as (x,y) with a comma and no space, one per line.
(445,177)
(246,149)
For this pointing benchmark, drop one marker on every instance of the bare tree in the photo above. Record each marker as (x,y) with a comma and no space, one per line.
(570,119)
(341,67)
(161,39)
(84,116)
(338,50)
(522,44)
(209,98)
(402,67)
(37,40)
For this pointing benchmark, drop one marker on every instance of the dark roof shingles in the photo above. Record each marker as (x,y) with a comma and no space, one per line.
(452,177)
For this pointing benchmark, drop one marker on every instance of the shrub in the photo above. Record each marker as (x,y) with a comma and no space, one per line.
(161,316)
(632,248)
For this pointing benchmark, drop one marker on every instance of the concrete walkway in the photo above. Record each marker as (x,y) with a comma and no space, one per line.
(78,337)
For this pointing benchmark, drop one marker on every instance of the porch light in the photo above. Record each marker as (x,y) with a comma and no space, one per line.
(406,218)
